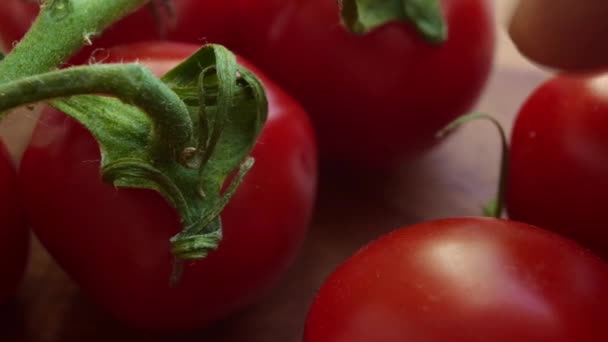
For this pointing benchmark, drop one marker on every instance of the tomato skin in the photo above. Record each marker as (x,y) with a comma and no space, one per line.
(559,159)
(115,243)
(464,279)
(16,17)
(374,99)
(14,237)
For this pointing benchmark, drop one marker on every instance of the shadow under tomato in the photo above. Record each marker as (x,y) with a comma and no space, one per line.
(12,320)
(93,324)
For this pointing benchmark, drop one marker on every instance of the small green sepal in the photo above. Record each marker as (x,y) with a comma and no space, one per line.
(363,16)
(183,136)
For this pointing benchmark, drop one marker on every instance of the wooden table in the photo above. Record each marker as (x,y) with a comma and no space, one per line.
(455,179)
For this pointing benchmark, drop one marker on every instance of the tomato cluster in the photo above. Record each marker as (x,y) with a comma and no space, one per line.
(374,99)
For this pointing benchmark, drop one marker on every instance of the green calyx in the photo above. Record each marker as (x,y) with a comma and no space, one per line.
(182,136)
(363,16)
(228,109)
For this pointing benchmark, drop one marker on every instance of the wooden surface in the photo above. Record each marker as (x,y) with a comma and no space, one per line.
(453,180)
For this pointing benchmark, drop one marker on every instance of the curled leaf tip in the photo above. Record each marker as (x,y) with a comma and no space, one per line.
(192,247)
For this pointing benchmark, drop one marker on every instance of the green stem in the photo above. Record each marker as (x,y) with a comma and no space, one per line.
(187,244)
(146,147)
(131,83)
(150,112)
(495,207)
(60,30)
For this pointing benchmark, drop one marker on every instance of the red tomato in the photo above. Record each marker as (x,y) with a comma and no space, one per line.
(558,174)
(374,99)
(464,279)
(14,237)
(16,17)
(115,243)
(378,98)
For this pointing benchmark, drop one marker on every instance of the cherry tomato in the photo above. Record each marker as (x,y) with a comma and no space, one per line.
(558,174)
(464,279)
(115,243)
(378,98)
(14,237)
(374,99)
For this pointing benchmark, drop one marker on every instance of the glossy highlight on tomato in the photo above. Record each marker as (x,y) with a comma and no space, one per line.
(558,174)
(115,243)
(461,280)
(14,236)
